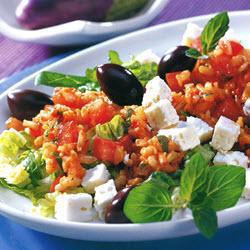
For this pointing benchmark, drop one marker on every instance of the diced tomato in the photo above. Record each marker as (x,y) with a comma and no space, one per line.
(228,108)
(105,150)
(54,183)
(98,112)
(36,132)
(172,82)
(126,142)
(236,47)
(68,133)
(222,65)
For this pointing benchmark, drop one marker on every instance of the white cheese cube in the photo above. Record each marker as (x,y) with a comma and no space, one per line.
(161,115)
(232,158)
(185,136)
(156,90)
(246,192)
(147,56)
(192,32)
(246,107)
(95,177)
(74,207)
(226,133)
(103,197)
(203,130)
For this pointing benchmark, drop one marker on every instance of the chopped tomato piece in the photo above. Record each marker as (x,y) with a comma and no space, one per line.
(126,142)
(54,183)
(36,132)
(228,108)
(106,150)
(172,82)
(68,133)
(236,47)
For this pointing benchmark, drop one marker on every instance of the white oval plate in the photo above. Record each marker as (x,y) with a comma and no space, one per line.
(76,32)
(159,38)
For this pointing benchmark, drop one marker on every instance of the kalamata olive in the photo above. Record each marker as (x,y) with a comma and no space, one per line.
(26,104)
(175,60)
(114,212)
(120,84)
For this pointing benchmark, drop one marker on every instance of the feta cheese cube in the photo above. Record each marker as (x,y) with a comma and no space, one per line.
(246,107)
(161,114)
(95,177)
(103,197)
(156,90)
(185,136)
(192,32)
(246,192)
(147,56)
(203,130)
(226,133)
(232,158)
(74,207)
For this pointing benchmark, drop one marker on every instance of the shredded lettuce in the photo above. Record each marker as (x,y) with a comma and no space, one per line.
(112,130)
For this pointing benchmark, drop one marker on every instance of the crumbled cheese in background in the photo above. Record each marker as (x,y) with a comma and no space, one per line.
(104,195)
(203,130)
(161,115)
(156,90)
(246,192)
(147,56)
(226,133)
(184,135)
(95,177)
(231,158)
(246,107)
(192,32)
(74,207)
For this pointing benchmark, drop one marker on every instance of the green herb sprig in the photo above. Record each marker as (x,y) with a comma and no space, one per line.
(204,189)
(214,30)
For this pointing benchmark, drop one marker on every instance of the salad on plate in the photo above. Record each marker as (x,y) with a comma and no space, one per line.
(148,140)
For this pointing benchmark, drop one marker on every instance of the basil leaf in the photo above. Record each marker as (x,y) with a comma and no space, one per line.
(54,79)
(112,130)
(205,219)
(194,177)
(193,53)
(148,202)
(214,31)
(205,150)
(225,185)
(163,140)
(163,180)
(114,57)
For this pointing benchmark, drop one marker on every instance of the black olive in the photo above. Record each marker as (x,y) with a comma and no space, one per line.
(26,104)
(120,84)
(175,60)
(114,213)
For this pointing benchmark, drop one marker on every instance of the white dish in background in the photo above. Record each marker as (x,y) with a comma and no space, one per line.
(159,39)
(75,32)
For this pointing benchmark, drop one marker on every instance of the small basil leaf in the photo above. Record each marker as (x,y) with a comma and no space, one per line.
(163,180)
(214,31)
(206,220)
(194,177)
(225,185)
(114,57)
(148,202)
(205,150)
(163,140)
(193,53)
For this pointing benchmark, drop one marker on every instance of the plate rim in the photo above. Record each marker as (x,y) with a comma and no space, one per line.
(15,213)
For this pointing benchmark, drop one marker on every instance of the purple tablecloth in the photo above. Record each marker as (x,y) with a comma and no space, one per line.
(15,56)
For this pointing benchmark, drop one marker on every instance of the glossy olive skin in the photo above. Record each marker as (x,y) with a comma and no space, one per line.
(26,104)
(114,212)
(175,60)
(120,84)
